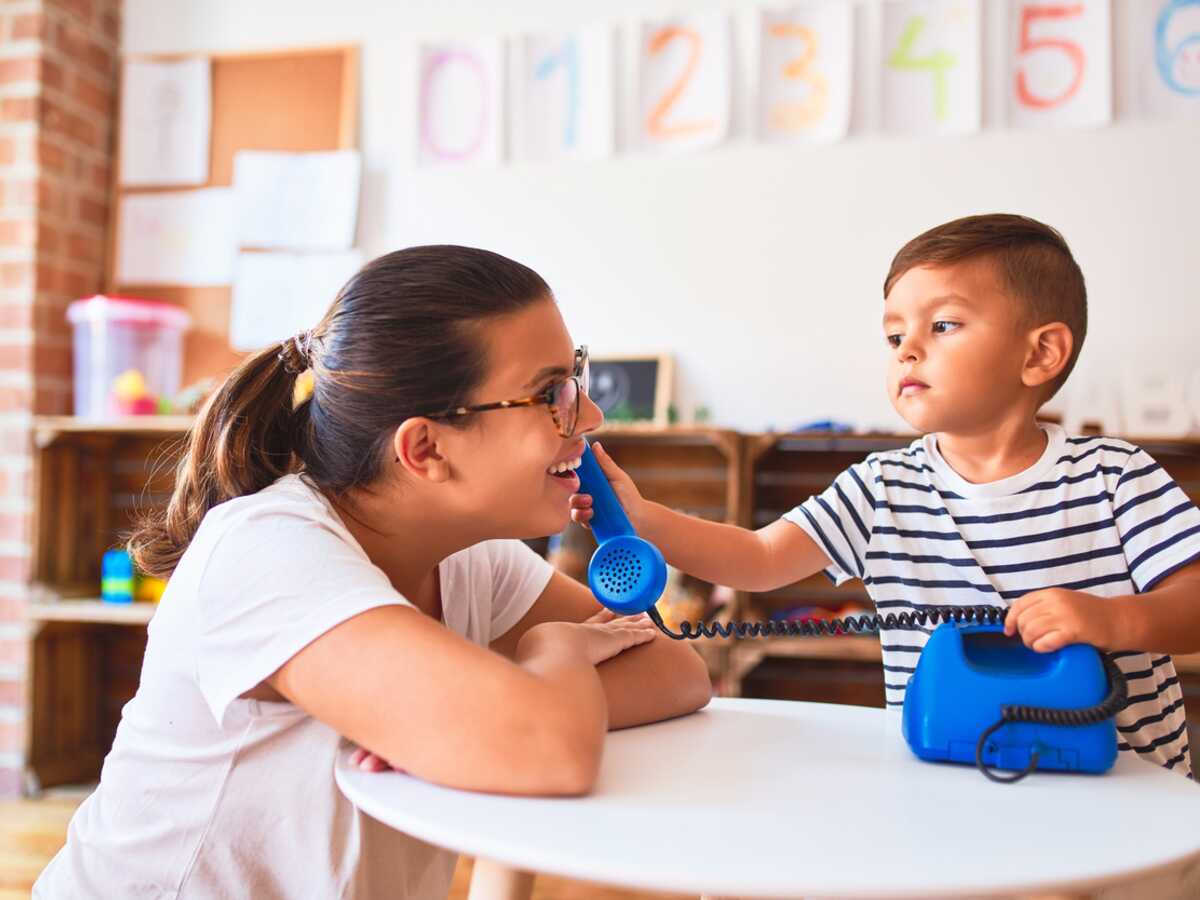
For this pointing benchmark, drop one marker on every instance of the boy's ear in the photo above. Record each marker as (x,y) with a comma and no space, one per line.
(416,450)
(1049,350)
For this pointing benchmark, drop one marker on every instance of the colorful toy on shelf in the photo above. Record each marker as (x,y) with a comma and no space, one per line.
(116,577)
(148,589)
(130,397)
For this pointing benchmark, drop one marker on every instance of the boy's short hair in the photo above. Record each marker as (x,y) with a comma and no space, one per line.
(1033,261)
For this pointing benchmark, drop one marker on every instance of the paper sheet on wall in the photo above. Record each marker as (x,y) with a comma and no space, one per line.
(277,295)
(1060,63)
(166,116)
(805,72)
(1168,43)
(461,102)
(932,71)
(176,237)
(684,82)
(297,201)
(565,96)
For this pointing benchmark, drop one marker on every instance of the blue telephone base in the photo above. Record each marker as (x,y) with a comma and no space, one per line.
(967,672)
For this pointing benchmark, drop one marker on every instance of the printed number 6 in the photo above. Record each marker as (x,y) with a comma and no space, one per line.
(1167,58)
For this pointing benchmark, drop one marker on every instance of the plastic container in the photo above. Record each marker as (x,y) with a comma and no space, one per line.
(116,336)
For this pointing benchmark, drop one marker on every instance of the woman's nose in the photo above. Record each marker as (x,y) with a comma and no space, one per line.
(591,416)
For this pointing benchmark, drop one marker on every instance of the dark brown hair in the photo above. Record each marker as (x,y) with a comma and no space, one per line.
(1033,261)
(400,340)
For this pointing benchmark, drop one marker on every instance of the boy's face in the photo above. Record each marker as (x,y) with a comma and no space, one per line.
(957,348)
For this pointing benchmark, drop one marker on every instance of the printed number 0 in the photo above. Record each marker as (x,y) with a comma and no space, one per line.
(654,123)
(794,116)
(1073,51)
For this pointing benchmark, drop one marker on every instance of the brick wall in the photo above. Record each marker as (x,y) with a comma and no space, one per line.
(58,83)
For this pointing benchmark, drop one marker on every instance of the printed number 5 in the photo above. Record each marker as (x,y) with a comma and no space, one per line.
(1074,52)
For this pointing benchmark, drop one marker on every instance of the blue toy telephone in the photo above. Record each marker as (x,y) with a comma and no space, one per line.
(971,680)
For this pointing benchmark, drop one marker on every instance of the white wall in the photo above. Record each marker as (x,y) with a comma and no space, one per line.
(759,267)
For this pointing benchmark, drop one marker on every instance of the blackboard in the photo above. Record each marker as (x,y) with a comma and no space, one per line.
(632,389)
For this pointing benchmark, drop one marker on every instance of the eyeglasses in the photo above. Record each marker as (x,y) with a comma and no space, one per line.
(561,398)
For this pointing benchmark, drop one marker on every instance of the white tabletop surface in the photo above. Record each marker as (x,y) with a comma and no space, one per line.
(764,798)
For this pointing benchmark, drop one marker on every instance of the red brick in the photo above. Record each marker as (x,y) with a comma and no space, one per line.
(85,248)
(14,357)
(28,25)
(52,361)
(16,275)
(18,109)
(102,59)
(91,95)
(68,39)
(102,178)
(111,26)
(12,736)
(48,238)
(52,74)
(17,232)
(92,211)
(12,783)
(13,568)
(19,69)
(54,116)
(81,8)
(52,157)
(51,198)
(12,692)
(12,652)
(15,315)
(8,151)
(75,284)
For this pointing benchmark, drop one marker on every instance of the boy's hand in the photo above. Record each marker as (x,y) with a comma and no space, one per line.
(1050,619)
(626,491)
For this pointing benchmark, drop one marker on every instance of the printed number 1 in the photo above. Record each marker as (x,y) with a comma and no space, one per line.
(939,63)
(567,57)
(794,116)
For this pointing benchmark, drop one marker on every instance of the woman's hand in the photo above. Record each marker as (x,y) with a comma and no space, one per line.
(631,499)
(600,637)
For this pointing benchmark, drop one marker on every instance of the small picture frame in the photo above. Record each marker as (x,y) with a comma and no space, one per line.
(633,390)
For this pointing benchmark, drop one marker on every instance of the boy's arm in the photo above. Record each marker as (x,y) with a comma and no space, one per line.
(774,556)
(1165,619)
(763,560)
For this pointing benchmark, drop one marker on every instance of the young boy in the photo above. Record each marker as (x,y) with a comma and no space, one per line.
(1086,539)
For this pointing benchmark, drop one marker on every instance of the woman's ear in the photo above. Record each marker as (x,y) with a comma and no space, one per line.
(415,445)
(1049,352)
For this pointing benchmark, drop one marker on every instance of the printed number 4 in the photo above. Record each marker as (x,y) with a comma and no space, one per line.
(939,63)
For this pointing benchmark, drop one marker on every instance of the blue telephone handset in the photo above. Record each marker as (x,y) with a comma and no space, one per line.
(627,574)
(1055,709)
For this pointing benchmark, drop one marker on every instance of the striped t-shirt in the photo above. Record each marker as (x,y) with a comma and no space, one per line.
(1094,514)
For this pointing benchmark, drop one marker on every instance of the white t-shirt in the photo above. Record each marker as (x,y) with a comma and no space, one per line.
(205,795)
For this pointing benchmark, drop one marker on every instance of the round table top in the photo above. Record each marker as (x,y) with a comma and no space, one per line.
(764,798)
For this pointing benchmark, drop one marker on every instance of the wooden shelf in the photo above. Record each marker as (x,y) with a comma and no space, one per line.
(47,429)
(92,611)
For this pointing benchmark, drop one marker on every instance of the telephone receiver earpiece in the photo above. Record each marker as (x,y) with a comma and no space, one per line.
(627,574)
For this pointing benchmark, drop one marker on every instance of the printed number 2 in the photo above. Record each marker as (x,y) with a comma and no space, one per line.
(655,122)
(1074,52)
(794,116)
(567,57)
(939,63)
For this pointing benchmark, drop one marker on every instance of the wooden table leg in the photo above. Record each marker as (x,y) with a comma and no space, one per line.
(493,881)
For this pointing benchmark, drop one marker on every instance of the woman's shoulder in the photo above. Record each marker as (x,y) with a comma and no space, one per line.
(289,498)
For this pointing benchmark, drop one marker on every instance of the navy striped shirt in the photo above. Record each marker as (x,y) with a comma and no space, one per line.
(1094,514)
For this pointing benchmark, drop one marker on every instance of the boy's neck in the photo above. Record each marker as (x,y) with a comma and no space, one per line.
(993,453)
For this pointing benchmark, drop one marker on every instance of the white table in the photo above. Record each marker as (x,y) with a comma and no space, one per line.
(760,798)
